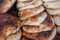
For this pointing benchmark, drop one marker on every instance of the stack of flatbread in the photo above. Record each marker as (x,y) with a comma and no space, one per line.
(36,23)
(53,8)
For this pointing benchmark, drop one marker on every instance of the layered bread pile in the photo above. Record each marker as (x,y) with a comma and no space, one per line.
(9,24)
(53,8)
(36,19)
(36,23)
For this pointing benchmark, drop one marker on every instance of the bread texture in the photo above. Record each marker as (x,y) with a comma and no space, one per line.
(5,5)
(53,11)
(53,5)
(24,14)
(21,3)
(25,38)
(8,24)
(47,24)
(35,20)
(45,35)
(58,29)
(32,5)
(15,36)
(49,0)
(57,20)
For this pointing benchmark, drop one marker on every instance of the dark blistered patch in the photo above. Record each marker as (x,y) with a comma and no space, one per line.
(48,21)
(47,33)
(7,20)
(2,24)
(1,1)
(44,34)
(10,23)
(57,37)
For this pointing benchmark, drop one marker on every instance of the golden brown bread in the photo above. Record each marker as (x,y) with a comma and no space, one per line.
(32,5)
(44,35)
(14,36)
(47,24)
(24,14)
(22,3)
(5,5)
(8,24)
(35,20)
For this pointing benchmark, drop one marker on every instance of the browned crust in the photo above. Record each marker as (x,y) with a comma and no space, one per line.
(57,37)
(48,23)
(38,36)
(28,12)
(25,38)
(26,1)
(34,18)
(14,35)
(8,23)
(5,6)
